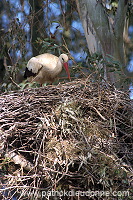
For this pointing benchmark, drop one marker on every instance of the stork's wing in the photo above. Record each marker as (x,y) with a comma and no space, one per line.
(28,73)
(33,67)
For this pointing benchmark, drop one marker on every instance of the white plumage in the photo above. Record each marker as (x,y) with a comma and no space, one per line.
(46,68)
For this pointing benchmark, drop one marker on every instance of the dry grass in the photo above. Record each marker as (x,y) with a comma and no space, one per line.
(75,136)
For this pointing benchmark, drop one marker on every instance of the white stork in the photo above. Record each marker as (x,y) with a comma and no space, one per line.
(45,68)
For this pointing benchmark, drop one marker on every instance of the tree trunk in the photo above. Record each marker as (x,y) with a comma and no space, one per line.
(37,28)
(104,34)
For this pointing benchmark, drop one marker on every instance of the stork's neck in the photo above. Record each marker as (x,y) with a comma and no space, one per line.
(58,68)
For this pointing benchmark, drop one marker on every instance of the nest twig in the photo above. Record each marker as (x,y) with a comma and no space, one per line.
(74,136)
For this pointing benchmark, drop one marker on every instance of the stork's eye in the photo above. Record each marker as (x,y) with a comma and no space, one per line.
(63,59)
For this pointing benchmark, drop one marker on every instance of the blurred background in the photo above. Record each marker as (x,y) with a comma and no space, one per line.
(30,27)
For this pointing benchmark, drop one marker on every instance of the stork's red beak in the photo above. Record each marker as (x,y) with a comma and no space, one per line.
(67,70)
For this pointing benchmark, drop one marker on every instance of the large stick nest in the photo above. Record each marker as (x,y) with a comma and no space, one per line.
(74,136)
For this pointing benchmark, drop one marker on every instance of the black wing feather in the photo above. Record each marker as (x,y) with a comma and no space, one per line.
(28,73)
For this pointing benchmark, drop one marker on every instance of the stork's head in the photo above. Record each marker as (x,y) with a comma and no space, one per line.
(64,59)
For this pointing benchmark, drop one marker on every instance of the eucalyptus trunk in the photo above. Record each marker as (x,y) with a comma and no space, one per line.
(104,33)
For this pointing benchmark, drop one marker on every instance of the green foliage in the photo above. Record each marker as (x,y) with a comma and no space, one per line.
(112,64)
(50,45)
(25,84)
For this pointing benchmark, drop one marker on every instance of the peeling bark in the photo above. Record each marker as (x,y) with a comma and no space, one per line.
(104,34)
